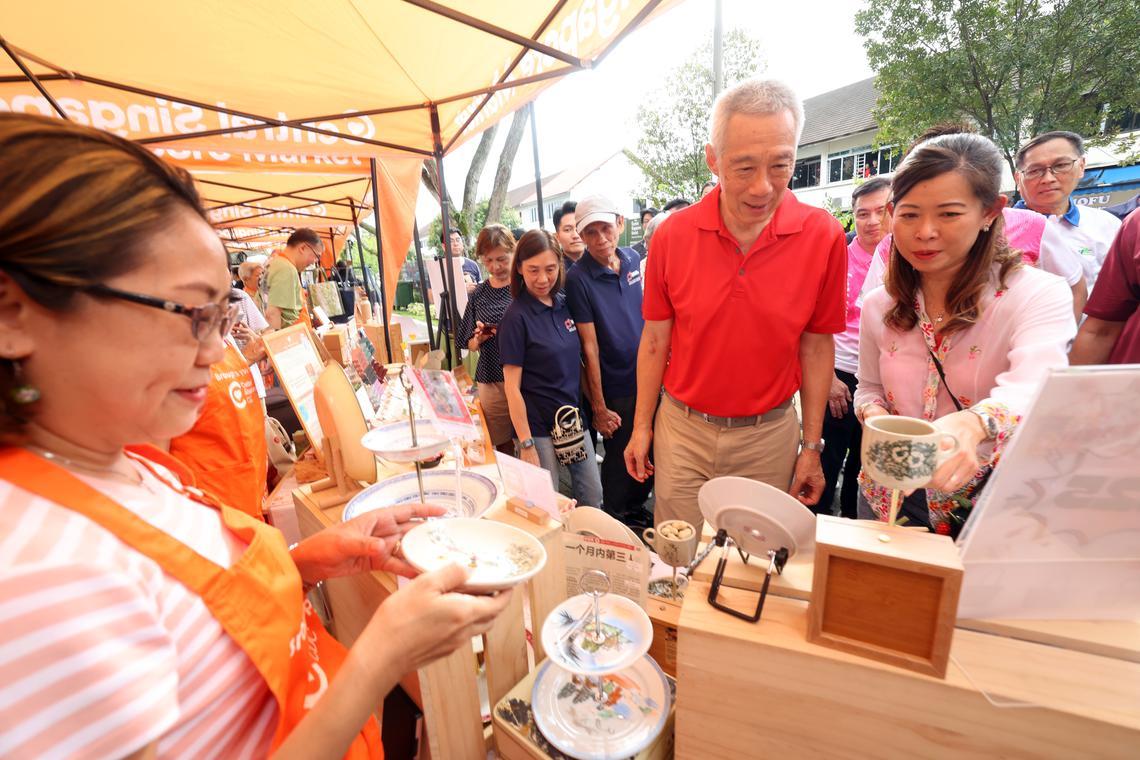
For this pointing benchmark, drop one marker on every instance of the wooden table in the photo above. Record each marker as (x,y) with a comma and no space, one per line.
(752,690)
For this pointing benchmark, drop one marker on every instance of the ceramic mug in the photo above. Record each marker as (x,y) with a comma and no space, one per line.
(903,452)
(673,549)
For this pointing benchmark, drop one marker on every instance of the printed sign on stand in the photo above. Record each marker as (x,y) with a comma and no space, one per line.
(626,565)
(445,402)
(529,484)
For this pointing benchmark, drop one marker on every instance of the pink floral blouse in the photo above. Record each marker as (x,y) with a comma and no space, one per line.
(994,365)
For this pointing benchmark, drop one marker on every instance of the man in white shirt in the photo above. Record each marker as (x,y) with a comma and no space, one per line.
(1048,169)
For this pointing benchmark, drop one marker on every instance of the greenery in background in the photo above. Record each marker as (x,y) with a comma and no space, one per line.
(844,215)
(368,240)
(1016,68)
(509,217)
(674,119)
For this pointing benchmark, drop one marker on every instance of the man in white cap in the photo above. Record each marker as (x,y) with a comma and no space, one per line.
(603,292)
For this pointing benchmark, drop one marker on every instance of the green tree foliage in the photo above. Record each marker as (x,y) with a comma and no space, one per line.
(510,218)
(1015,68)
(674,119)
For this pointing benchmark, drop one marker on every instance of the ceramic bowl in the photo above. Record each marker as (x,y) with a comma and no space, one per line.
(498,555)
(478,493)
(393,441)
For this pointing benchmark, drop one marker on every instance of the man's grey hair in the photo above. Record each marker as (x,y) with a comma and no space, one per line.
(754,97)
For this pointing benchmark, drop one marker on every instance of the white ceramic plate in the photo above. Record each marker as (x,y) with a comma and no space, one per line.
(757,516)
(568,713)
(479,493)
(566,634)
(498,555)
(393,441)
(591,521)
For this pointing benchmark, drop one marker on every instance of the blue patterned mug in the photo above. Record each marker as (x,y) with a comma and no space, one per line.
(903,452)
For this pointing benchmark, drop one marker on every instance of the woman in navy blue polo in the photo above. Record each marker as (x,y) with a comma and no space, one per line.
(542,361)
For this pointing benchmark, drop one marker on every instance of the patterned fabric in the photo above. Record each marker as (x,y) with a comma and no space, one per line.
(487,305)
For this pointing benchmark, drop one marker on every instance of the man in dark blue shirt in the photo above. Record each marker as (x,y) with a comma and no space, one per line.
(603,291)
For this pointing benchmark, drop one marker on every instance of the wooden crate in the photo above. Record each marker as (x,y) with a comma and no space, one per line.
(517,738)
(664,614)
(885,592)
(374,331)
(339,346)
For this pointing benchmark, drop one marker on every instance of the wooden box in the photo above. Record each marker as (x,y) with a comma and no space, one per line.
(374,331)
(664,614)
(339,345)
(517,738)
(883,592)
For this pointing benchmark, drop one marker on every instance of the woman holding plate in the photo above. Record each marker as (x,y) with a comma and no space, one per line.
(962,332)
(140,617)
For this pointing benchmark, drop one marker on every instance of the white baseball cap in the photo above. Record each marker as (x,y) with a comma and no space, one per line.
(595,208)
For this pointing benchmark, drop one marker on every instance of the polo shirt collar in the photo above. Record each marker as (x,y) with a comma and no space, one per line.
(596,270)
(1072,216)
(536,306)
(788,219)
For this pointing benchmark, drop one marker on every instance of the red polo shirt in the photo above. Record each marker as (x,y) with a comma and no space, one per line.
(738,316)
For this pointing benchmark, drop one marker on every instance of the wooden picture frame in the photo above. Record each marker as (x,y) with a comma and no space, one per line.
(887,593)
(298,359)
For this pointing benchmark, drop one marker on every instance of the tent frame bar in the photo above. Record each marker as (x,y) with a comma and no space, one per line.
(380,259)
(32,78)
(450,315)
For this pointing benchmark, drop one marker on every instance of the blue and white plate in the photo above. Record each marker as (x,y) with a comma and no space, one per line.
(393,441)
(623,720)
(567,634)
(478,493)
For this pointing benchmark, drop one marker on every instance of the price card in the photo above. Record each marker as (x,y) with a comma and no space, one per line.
(528,483)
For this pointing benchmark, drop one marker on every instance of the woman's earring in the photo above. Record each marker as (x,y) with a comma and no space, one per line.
(22,393)
(985,228)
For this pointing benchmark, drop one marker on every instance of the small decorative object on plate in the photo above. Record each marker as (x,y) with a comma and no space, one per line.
(479,493)
(573,641)
(498,555)
(609,718)
(393,441)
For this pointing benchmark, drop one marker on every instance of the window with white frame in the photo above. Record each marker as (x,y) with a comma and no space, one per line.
(861,163)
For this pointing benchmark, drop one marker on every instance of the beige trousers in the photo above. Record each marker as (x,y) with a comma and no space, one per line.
(493,400)
(687,451)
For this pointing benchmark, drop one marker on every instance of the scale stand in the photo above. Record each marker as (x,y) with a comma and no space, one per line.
(337,488)
(408,389)
(776,561)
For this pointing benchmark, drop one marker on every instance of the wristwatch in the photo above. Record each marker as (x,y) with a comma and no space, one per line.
(988,422)
(816,446)
(527,443)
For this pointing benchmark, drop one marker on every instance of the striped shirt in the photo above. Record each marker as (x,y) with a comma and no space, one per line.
(102,652)
(488,305)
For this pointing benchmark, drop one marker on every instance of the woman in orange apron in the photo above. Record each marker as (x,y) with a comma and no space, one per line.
(113,306)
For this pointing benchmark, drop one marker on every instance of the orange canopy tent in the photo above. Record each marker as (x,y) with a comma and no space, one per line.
(312,84)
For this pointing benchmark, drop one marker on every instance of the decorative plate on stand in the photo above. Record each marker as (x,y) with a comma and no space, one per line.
(621,721)
(499,555)
(478,493)
(393,441)
(757,516)
(569,640)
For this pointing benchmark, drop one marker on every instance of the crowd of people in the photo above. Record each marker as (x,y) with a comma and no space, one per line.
(144,616)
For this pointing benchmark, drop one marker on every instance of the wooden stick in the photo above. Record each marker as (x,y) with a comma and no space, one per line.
(894,513)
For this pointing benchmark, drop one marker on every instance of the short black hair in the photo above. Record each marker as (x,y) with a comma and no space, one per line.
(873,185)
(569,207)
(453,232)
(676,203)
(651,211)
(1074,139)
(303,235)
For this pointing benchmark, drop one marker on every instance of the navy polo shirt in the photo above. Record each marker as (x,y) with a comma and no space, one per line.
(543,340)
(612,302)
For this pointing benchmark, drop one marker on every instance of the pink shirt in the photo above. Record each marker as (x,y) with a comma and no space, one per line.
(847,342)
(103,653)
(1021,334)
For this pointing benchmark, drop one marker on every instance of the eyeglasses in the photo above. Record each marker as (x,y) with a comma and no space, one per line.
(1059,169)
(203,319)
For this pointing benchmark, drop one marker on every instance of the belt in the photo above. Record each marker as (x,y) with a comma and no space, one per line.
(771,415)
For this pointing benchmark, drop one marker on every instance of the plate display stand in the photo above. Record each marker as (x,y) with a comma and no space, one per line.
(599,696)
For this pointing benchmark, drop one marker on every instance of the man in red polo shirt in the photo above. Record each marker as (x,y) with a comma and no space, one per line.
(743,291)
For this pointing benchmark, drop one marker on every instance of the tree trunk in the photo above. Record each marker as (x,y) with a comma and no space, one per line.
(429,174)
(503,170)
(475,171)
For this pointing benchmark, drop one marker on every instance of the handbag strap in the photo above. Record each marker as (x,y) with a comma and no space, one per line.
(942,376)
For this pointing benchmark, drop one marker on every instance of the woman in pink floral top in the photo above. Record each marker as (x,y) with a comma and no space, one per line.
(958,296)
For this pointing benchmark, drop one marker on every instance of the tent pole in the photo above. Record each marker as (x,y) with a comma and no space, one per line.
(32,78)
(432,342)
(380,258)
(537,171)
(451,312)
(369,291)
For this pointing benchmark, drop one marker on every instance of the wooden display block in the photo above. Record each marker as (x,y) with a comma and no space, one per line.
(339,344)
(374,331)
(887,593)
(664,615)
(517,738)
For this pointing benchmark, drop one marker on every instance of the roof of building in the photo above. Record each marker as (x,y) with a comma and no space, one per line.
(841,112)
(555,184)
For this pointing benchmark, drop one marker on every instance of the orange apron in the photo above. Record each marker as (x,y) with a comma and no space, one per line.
(226,448)
(258,601)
